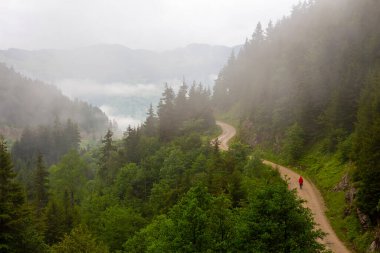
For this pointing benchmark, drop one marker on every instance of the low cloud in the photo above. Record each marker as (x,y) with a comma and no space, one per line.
(122,120)
(89,88)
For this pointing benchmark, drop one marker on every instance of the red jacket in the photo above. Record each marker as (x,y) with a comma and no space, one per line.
(300,180)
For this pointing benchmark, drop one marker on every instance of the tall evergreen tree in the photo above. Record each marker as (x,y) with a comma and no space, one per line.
(105,157)
(181,103)
(40,185)
(131,144)
(17,231)
(166,115)
(150,124)
(258,35)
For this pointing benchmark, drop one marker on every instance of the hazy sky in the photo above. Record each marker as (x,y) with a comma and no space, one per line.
(148,24)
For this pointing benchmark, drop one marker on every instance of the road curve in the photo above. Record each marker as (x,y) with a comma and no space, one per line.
(309,193)
(228,133)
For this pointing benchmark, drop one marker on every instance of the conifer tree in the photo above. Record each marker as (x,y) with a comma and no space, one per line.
(72,135)
(367,151)
(17,232)
(150,124)
(131,143)
(258,35)
(269,30)
(40,184)
(55,222)
(181,103)
(166,115)
(105,157)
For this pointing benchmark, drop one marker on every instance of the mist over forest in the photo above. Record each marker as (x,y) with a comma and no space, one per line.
(270,145)
(123,82)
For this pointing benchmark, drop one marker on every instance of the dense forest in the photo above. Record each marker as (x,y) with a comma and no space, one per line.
(162,188)
(307,89)
(31,103)
(304,92)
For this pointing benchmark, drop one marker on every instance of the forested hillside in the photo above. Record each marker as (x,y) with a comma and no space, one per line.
(162,188)
(121,81)
(25,102)
(307,88)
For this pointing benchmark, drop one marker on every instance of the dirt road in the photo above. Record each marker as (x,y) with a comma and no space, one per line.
(228,133)
(309,192)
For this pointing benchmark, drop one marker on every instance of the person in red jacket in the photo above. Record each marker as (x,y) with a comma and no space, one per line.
(300,181)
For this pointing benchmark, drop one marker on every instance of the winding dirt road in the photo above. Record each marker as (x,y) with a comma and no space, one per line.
(309,192)
(228,133)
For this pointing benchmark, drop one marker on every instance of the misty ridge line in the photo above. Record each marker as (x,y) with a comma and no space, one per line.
(123,82)
(115,63)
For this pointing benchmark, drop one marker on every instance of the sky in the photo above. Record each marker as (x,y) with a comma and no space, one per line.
(138,24)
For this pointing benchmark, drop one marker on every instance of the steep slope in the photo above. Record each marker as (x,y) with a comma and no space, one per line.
(309,193)
(307,89)
(25,102)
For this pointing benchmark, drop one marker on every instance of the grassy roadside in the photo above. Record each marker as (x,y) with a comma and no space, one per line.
(326,171)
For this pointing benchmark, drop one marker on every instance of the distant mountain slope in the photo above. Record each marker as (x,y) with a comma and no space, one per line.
(25,102)
(121,81)
(115,63)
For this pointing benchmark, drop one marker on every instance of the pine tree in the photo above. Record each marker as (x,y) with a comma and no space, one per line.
(40,185)
(150,124)
(105,157)
(269,30)
(166,115)
(258,35)
(11,202)
(72,135)
(367,150)
(79,240)
(55,222)
(17,231)
(131,144)
(181,104)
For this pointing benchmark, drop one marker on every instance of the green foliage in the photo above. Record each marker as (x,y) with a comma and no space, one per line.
(367,150)
(18,231)
(162,188)
(69,176)
(51,141)
(327,170)
(275,221)
(41,185)
(150,124)
(323,75)
(56,225)
(117,224)
(198,223)
(79,240)
(25,102)
(106,158)
(293,143)
(184,114)
(166,115)
(67,179)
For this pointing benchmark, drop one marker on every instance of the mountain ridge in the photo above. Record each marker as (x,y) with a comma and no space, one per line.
(118,63)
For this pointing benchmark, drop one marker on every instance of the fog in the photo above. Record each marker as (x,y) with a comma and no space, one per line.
(123,102)
(90,88)
(147,24)
(126,103)
(86,47)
